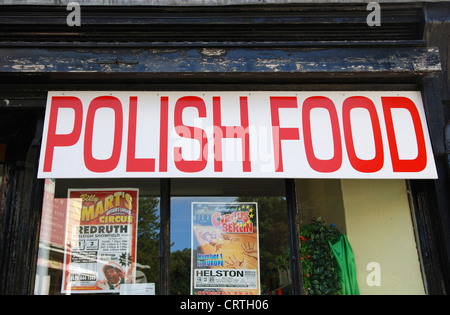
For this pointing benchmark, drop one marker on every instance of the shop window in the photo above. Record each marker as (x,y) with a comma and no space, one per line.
(81,238)
(231,236)
(219,226)
(357,237)
(88,241)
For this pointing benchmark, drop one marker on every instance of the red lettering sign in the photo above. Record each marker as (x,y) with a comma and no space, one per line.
(279,133)
(106,165)
(362,135)
(62,140)
(134,164)
(221,132)
(333,164)
(190,132)
(361,165)
(404,165)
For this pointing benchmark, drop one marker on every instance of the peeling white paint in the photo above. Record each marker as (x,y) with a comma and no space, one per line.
(213,52)
(32,68)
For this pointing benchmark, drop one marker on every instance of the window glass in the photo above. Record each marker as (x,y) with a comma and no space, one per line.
(104,239)
(357,237)
(199,244)
(66,256)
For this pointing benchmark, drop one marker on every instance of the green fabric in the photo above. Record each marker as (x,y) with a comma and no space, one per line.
(345,259)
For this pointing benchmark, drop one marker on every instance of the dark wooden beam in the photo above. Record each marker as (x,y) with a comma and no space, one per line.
(266,22)
(160,61)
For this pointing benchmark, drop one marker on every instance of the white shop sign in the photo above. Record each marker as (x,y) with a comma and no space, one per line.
(100,134)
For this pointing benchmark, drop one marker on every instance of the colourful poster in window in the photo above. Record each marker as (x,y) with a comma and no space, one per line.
(100,246)
(225,249)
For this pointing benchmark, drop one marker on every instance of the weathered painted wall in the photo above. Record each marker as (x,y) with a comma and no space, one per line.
(380,230)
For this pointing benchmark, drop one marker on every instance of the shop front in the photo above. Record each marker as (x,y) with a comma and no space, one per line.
(224,167)
(229,156)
